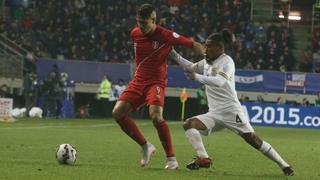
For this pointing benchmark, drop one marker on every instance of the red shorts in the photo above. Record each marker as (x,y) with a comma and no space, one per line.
(139,94)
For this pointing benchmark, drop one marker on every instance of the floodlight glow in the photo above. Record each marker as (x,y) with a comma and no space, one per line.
(294,15)
(295,18)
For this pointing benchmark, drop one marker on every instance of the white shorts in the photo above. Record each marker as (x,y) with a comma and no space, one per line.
(236,121)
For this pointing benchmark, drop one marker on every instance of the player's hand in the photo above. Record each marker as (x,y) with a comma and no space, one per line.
(190,74)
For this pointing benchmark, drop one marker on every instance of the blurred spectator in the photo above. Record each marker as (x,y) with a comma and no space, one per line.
(244,98)
(316,61)
(30,91)
(119,88)
(281,100)
(103,95)
(317,101)
(99,30)
(305,102)
(306,64)
(55,69)
(285,7)
(4,91)
(53,95)
(316,39)
(260,99)
(104,90)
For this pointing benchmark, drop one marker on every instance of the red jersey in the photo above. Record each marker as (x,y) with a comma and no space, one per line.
(151,53)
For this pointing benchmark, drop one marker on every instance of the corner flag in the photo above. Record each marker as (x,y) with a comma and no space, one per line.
(183,99)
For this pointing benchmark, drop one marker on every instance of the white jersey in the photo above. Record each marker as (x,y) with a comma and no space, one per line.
(119,89)
(224,98)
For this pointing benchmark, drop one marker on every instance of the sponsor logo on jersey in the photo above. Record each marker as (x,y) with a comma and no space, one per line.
(175,35)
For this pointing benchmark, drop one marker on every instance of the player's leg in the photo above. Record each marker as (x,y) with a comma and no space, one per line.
(263,146)
(120,113)
(239,123)
(155,99)
(164,135)
(193,128)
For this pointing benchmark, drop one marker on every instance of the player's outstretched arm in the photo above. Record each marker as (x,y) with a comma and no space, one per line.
(184,63)
(219,80)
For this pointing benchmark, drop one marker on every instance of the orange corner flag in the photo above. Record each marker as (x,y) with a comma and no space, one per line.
(183,99)
(184,95)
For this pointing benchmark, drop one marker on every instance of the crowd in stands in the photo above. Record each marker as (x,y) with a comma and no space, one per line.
(281,100)
(315,56)
(99,30)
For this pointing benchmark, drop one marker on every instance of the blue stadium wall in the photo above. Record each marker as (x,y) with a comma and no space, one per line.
(271,81)
(259,113)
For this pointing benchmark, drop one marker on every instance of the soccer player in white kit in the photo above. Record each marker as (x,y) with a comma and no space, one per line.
(216,71)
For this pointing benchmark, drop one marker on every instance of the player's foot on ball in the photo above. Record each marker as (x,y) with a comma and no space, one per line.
(199,163)
(288,171)
(147,150)
(171,163)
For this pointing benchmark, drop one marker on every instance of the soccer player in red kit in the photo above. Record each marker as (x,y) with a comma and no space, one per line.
(152,44)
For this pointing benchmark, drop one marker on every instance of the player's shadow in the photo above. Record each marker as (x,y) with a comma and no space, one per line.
(206,173)
(255,176)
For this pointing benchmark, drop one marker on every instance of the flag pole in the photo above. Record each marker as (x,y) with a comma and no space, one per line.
(183,99)
(182,111)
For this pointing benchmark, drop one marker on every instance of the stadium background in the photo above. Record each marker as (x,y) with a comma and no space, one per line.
(277,79)
(87,39)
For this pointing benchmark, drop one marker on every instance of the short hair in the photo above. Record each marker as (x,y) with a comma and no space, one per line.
(224,37)
(145,11)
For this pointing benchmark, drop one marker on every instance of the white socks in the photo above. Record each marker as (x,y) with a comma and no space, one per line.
(272,154)
(195,139)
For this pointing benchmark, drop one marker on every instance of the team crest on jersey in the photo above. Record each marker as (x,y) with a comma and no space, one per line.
(155,44)
(175,35)
(214,71)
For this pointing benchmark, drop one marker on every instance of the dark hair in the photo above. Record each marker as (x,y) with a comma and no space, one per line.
(145,11)
(227,37)
(224,37)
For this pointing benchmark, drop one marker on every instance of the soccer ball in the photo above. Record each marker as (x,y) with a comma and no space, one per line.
(35,112)
(66,154)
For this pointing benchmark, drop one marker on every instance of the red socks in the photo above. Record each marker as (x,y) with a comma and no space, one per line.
(131,129)
(165,138)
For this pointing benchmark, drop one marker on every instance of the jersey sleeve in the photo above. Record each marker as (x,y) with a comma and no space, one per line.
(198,66)
(225,72)
(177,39)
(227,69)
(184,63)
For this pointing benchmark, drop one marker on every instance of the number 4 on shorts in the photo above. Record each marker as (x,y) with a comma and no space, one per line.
(238,120)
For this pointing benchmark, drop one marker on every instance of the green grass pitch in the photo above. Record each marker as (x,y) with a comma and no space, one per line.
(27,151)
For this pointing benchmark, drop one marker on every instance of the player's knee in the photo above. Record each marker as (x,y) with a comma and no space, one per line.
(156,118)
(188,124)
(117,114)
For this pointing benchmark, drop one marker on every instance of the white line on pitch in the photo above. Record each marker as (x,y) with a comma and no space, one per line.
(80,126)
